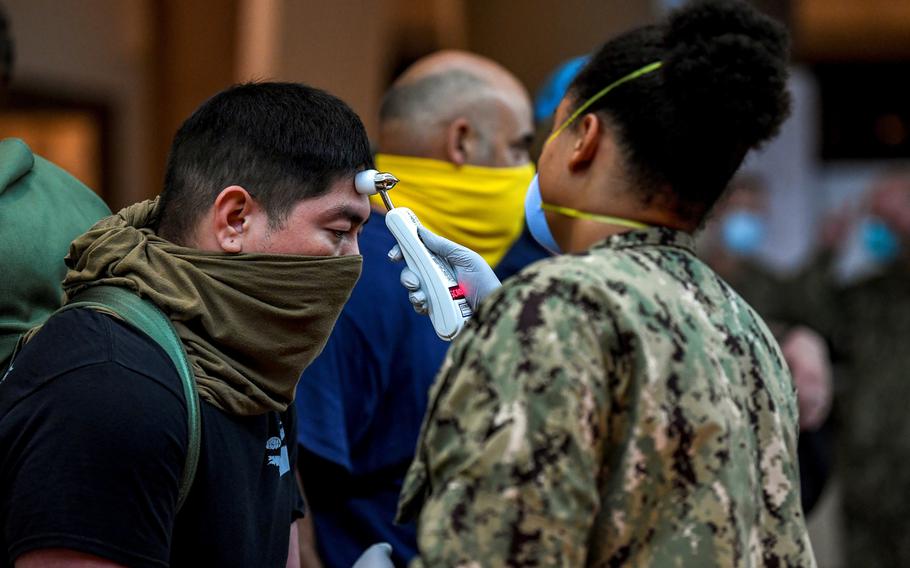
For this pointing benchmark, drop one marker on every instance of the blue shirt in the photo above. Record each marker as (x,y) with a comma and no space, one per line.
(360,406)
(362,401)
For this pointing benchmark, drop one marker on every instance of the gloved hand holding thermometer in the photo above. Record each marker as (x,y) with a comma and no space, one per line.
(474,275)
(443,297)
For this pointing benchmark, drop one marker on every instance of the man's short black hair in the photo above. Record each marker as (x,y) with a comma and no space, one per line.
(282,142)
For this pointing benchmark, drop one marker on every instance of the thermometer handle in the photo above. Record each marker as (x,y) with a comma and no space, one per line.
(446,303)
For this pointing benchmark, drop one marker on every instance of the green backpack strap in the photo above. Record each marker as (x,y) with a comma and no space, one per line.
(146,317)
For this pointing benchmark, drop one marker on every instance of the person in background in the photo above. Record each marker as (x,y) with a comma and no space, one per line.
(42,209)
(619,404)
(250,251)
(418,121)
(455,128)
(730,244)
(867,319)
(732,240)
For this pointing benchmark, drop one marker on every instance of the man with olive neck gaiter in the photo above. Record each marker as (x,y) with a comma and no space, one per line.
(251,251)
(455,128)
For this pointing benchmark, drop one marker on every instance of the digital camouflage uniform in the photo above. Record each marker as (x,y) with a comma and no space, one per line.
(782,304)
(621,407)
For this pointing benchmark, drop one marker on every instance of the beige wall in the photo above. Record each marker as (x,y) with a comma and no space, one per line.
(338,46)
(97,49)
(153,61)
(195,56)
(350,47)
(532,37)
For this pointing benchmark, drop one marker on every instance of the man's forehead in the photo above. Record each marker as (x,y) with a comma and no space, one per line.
(342,198)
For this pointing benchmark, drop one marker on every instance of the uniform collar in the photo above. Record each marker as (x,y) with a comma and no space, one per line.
(652,236)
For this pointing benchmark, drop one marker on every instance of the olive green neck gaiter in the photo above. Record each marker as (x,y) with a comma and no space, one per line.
(250,323)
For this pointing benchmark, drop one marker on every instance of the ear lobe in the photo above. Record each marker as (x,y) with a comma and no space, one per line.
(587,145)
(231,212)
(457,141)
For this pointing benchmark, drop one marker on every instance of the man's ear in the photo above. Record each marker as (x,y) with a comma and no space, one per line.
(231,218)
(586,146)
(457,142)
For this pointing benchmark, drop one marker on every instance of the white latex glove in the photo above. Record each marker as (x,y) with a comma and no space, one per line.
(472,272)
(377,556)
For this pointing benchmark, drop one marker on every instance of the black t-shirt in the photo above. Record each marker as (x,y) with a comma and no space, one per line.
(93,440)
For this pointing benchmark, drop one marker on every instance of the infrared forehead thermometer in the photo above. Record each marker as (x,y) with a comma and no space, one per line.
(446,303)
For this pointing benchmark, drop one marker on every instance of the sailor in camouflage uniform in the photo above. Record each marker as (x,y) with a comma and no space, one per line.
(627,407)
(621,405)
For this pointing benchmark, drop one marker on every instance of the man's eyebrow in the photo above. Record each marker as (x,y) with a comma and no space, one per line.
(345,212)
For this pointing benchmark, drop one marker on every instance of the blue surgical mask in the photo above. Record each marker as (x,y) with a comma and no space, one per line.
(879,240)
(743,232)
(537,219)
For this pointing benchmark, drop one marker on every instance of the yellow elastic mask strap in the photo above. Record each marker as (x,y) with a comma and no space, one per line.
(600,94)
(569,212)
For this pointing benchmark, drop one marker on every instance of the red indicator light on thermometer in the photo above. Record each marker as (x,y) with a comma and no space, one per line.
(457,293)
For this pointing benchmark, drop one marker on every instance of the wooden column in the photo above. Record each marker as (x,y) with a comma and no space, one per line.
(195,57)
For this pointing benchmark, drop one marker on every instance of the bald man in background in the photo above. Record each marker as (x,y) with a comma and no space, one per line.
(457,107)
(456,129)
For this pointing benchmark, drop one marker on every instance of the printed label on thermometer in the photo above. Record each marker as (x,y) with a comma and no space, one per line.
(447,305)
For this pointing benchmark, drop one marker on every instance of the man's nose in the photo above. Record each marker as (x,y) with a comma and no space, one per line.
(352,247)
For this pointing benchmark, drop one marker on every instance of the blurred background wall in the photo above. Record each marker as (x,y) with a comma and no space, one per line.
(100,86)
(127,72)
(90,59)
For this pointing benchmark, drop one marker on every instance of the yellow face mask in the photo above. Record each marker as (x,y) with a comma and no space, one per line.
(478,207)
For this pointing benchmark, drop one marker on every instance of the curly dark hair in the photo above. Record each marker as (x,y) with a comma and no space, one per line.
(721,91)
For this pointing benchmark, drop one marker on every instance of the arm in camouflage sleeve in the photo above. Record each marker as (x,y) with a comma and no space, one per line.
(514,441)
